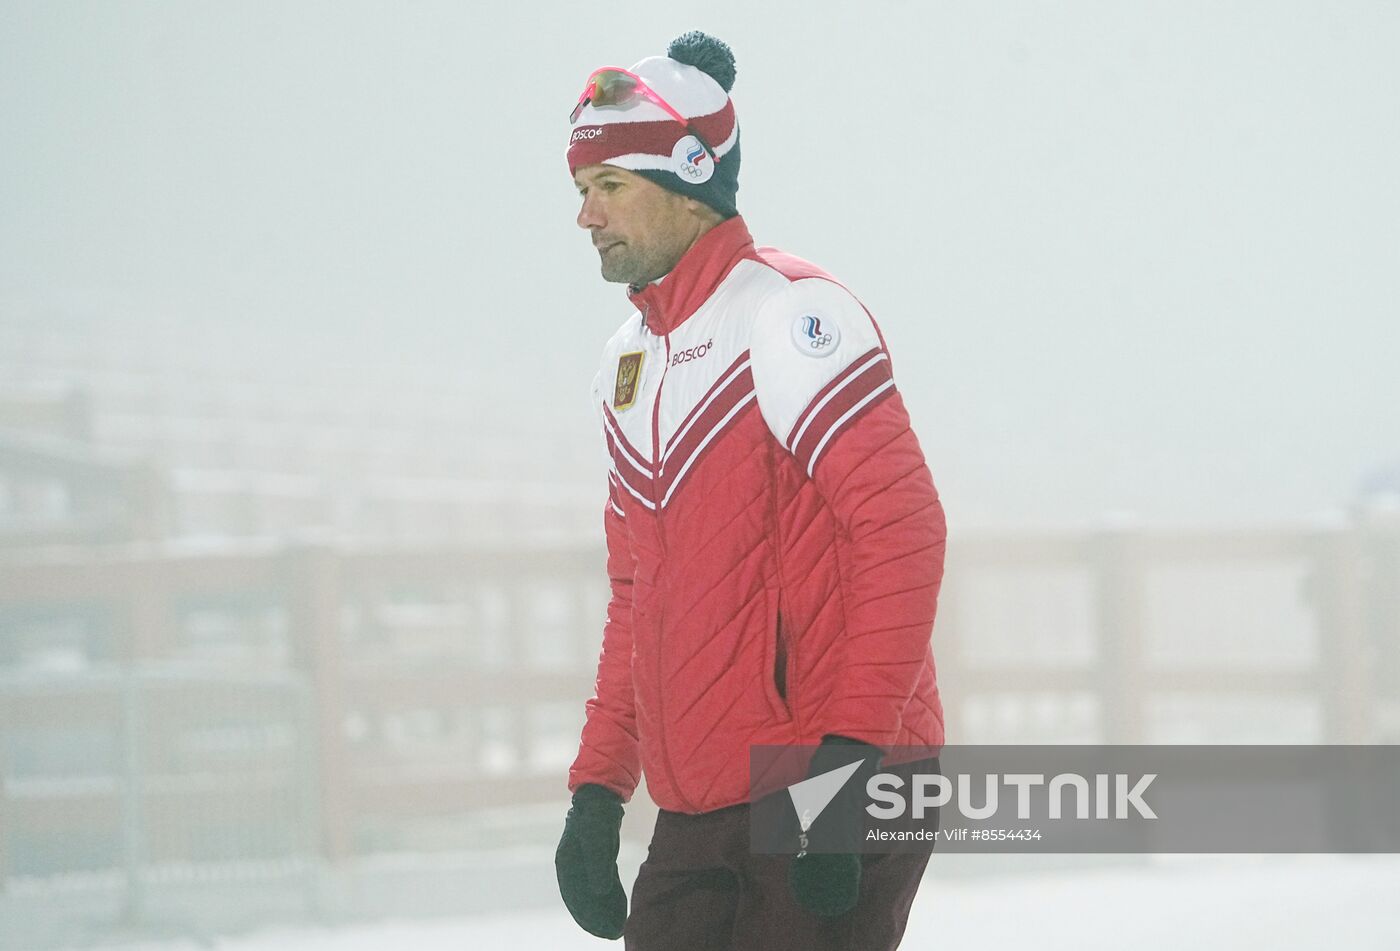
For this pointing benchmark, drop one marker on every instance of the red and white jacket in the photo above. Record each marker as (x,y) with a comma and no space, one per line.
(775,541)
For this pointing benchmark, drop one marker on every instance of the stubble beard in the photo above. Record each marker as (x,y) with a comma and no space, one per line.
(626,264)
(622,265)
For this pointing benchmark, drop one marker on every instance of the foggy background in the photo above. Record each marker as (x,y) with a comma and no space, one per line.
(299,477)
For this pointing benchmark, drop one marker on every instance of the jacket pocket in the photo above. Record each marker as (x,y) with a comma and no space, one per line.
(780,661)
(776,655)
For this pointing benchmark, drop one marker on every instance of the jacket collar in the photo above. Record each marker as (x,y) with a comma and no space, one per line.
(668,302)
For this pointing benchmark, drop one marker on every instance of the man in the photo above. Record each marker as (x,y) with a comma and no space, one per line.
(775,541)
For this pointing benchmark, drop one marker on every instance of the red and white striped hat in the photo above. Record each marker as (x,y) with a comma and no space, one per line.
(692,147)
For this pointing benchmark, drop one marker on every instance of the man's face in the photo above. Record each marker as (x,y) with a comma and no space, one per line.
(639,228)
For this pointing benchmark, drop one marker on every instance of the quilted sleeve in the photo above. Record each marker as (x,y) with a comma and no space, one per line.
(826,389)
(608,753)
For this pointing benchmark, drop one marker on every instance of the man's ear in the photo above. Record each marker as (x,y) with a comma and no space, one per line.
(701,210)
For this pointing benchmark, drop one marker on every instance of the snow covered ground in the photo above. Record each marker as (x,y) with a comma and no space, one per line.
(1231,903)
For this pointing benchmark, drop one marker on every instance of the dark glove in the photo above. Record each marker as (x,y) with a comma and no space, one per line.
(586,862)
(828,883)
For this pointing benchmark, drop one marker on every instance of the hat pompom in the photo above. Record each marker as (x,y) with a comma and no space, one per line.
(705,53)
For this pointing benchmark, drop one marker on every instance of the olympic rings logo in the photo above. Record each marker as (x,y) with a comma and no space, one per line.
(812,338)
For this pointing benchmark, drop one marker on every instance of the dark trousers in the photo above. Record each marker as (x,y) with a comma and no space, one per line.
(702,889)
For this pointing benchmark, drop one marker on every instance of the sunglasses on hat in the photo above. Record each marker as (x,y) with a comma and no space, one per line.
(614,86)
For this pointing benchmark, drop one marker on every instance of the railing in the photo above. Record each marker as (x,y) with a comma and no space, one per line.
(285,704)
(1309,617)
(151,769)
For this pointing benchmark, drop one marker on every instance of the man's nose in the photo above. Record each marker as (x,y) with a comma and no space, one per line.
(590,214)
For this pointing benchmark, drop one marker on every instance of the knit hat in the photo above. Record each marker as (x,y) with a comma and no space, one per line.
(699,159)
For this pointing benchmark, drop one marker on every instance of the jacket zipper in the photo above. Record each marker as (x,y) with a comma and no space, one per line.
(656,446)
(661,541)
